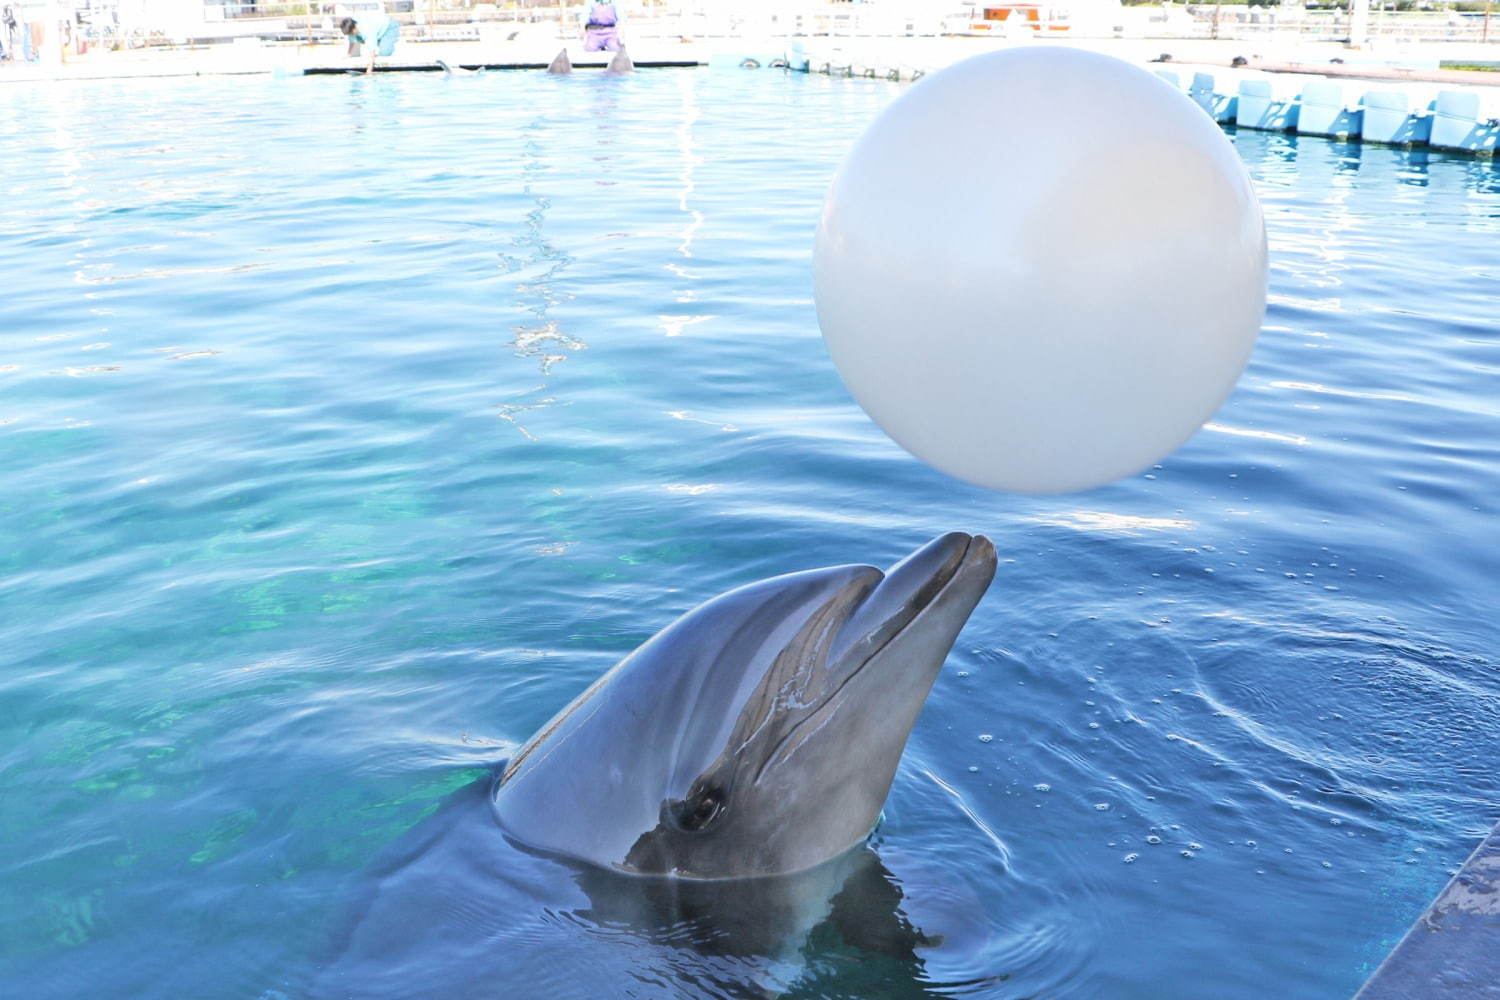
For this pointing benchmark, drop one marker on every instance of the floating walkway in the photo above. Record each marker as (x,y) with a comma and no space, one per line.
(1398,112)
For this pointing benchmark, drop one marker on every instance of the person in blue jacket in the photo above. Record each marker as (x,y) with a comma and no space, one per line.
(377,32)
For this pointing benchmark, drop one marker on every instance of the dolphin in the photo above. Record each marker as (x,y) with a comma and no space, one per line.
(758,734)
(620,63)
(454,70)
(560,64)
(697,816)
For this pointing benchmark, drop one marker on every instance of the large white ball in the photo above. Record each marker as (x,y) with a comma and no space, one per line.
(1041,269)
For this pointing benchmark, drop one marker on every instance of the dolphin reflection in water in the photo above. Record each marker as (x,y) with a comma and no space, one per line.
(697,822)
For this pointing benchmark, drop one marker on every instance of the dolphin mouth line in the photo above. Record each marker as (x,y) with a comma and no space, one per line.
(923,597)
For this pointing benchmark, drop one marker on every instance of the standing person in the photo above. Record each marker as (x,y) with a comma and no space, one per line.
(376,31)
(10,35)
(601,27)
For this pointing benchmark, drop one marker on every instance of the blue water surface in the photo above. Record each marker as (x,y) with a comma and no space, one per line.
(349,427)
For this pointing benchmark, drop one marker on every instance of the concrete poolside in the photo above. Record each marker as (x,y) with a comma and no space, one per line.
(533,45)
(1453,949)
(295,59)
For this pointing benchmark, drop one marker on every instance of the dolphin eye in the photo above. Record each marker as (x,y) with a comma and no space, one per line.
(701,810)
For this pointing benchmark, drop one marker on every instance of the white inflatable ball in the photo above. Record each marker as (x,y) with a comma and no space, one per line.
(1041,269)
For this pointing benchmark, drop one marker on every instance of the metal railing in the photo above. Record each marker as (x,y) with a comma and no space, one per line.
(1214,21)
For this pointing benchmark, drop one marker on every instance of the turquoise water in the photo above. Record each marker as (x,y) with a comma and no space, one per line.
(349,427)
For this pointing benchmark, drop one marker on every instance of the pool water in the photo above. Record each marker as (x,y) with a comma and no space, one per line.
(350,427)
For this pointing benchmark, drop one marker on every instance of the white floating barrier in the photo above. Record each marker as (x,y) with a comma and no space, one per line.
(1220,107)
(1261,107)
(1457,123)
(1386,117)
(1408,114)
(1323,111)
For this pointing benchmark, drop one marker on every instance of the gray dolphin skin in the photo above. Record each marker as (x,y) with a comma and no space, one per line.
(759,734)
(620,62)
(560,64)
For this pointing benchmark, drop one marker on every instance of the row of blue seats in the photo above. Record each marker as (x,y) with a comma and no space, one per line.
(1451,120)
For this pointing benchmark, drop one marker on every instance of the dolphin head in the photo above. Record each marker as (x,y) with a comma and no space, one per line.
(758,734)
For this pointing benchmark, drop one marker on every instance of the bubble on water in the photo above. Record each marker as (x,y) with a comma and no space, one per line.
(1251,843)
(963,673)
(1102,806)
(1195,847)
(1153,839)
(1042,786)
(973,769)
(1130,859)
(1093,725)
(986,737)
(1327,864)
(1187,854)
(1335,821)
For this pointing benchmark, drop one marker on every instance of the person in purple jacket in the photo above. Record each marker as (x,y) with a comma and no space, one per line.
(601,27)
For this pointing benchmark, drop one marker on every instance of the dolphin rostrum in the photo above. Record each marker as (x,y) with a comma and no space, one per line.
(759,734)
